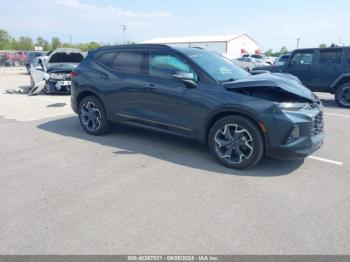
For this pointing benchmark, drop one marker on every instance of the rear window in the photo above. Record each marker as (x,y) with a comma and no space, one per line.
(66,58)
(330,56)
(107,58)
(128,62)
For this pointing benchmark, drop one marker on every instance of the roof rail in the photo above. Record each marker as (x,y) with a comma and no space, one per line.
(134,45)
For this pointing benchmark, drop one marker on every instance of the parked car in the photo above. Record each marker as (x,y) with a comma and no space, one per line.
(320,69)
(257,58)
(281,60)
(30,57)
(198,94)
(52,74)
(246,63)
(13,59)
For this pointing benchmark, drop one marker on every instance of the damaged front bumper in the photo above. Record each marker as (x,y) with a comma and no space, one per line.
(308,138)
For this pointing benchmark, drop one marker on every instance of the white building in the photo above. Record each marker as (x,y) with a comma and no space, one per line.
(231,46)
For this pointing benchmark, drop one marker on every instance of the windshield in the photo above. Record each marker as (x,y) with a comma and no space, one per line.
(218,67)
(284,58)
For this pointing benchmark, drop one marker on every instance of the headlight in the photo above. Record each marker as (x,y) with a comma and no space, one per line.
(57,76)
(288,106)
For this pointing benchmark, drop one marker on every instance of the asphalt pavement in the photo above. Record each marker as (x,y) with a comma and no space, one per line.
(139,192)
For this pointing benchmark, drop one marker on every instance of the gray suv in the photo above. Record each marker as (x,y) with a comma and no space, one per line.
(200,95)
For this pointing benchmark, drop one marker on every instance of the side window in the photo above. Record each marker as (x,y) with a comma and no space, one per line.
(129,62)
(330,56)
(166,66)
(303,58)
(107,58)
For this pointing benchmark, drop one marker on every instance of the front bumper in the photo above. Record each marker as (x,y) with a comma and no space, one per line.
(300,148)
(311,134)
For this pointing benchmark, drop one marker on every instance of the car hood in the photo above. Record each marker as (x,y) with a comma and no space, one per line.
(61,67)
(287,82)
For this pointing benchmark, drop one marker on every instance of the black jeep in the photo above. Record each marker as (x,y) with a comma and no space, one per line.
(320,69)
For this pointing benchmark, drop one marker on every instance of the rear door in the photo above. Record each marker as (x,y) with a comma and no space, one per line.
(329,67)
(123,82)
(37,72)
(302,65)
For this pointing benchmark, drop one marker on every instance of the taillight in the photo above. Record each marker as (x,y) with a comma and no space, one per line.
(73,74)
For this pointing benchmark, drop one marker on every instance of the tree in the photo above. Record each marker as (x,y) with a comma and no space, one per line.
(283,50)
(56,42)
(5,40)
(25,43)
(269,52)
(40,42)
(322,46)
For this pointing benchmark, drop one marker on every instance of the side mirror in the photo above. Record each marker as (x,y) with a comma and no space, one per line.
(187,78)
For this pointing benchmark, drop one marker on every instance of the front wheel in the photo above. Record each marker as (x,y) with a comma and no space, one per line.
(236,142)
(92,116)
(342,95)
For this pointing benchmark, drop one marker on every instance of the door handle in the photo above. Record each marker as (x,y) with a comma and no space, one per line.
(106,77)
(151,86)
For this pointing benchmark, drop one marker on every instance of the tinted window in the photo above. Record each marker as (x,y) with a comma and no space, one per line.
(107,58)
(330,56)
(257,56)
(66,58)
(284,58)
(304,58)
(164,65)
(128,62)
(348,57)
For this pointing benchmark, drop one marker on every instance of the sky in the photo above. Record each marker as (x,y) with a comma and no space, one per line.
(271,23)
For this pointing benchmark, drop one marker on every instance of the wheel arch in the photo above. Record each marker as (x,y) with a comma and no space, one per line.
(237,112)
(342,79)
(86,93)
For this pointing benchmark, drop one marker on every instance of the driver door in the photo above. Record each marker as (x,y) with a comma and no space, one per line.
(302,65)
(170,103)
(37,73)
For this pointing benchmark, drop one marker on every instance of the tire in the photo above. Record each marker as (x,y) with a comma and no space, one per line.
(236,142)
(92,116)
(342,95)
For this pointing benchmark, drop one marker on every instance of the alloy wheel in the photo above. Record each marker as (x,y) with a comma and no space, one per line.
(233,143)
(90,116)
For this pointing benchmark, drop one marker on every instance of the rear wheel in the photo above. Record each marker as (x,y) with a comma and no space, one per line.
(236,142)
(342,95)
(92,116)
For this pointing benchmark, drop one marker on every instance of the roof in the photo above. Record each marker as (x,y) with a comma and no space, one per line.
(195,39)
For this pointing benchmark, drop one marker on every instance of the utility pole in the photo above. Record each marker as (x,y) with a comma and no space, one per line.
(298,41)
(70,40)
(124,31)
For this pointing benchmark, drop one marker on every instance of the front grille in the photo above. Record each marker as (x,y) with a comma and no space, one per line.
(318,124)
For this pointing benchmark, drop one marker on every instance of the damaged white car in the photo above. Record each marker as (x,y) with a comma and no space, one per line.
(51,74)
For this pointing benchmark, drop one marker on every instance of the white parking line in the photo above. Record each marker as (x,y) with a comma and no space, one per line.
(335,114)
(326,160)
